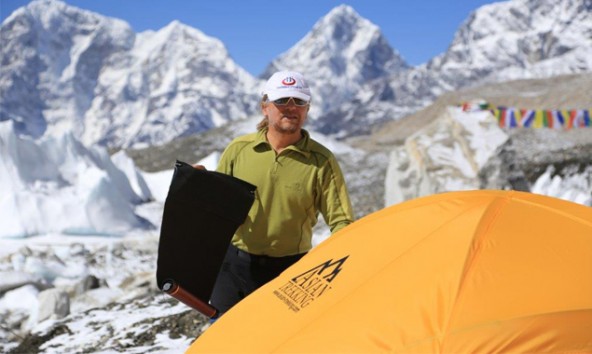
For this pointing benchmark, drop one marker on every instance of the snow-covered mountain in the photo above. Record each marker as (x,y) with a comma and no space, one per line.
(52,57)
(518,39)
(179,82)
(67,69)
(502,41)
(81,71)
(342,52)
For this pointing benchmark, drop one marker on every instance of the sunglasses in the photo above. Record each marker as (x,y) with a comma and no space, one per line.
(284,101)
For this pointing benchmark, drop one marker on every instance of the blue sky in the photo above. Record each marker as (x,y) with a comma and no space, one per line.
(257,31)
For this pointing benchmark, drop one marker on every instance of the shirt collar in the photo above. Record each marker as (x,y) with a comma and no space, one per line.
(302,146)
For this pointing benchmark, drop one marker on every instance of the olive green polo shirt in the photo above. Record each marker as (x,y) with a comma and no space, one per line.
(293,187)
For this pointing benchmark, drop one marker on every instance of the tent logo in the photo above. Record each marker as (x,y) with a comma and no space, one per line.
(305,288)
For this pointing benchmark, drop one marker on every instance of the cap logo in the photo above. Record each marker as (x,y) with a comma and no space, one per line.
(289,81)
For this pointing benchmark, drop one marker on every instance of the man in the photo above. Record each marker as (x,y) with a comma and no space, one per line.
(296,177)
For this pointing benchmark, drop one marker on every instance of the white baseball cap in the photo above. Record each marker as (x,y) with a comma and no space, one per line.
(287,84)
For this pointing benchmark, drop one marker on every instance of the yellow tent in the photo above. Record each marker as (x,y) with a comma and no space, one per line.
(459,272)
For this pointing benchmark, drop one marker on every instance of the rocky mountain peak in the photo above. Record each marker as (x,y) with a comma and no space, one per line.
(56,15)
(77,70)
(503,41)
(342,52)
(52,57)
(92,74)
(342,23)
(520,33)
(177,30)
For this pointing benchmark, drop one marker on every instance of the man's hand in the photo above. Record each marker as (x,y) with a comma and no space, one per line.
(199,167)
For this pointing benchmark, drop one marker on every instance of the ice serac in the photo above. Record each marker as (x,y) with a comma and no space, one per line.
(447,155)
(468,150)
(55,184)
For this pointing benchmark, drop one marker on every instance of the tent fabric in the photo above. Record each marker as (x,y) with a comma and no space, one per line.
(202,211)
(458,272)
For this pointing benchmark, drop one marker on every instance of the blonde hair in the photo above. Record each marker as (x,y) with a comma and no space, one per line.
(265,121)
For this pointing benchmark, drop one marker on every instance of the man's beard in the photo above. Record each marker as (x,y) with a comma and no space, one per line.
(285,129)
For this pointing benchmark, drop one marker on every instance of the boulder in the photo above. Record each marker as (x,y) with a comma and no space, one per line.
(53,304)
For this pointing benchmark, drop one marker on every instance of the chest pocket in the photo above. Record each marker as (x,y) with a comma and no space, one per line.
(299,192)
(297,184)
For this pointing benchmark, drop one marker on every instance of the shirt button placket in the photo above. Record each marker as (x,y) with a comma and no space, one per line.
(274,168)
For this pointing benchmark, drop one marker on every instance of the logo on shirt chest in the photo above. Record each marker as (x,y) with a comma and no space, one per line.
(294,187)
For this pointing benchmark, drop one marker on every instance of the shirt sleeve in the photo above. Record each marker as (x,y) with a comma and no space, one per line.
(335,205)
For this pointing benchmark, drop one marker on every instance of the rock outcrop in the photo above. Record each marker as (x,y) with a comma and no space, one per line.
(460,151)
